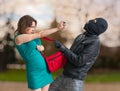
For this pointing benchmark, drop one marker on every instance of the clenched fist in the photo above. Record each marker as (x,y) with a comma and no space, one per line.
(61,25)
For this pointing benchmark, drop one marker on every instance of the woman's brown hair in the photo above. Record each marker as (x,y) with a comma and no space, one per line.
(24,22)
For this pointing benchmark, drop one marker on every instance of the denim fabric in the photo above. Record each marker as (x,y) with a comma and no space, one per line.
(63,83)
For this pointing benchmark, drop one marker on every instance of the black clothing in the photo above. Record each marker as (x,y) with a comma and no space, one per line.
(81,55)
(96,26)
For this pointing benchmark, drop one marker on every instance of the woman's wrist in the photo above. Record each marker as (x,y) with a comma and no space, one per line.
(61,25)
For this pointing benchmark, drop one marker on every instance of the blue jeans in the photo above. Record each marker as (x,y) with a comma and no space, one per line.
(63,83)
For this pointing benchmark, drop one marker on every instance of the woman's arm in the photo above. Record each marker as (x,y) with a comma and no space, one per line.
(60,26)
(23,38)
(47,32)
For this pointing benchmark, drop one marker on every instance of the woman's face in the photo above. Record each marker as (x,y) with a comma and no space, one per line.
(30,30)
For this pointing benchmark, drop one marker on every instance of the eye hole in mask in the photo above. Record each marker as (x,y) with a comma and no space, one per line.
(93,21)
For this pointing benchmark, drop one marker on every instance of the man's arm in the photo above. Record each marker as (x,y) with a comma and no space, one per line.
(90,52)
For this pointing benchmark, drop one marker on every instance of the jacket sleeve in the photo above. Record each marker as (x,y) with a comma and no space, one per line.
(89,53)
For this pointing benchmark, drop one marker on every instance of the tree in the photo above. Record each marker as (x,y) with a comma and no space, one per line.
(109,58)
(7,53)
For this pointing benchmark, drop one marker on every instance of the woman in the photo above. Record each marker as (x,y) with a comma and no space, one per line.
(28,45)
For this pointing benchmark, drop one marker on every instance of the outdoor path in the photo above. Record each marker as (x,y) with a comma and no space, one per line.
(19,86)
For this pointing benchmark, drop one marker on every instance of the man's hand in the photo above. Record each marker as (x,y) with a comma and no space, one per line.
(59,45)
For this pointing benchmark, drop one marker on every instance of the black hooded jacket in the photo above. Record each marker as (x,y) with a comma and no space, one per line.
(81,56)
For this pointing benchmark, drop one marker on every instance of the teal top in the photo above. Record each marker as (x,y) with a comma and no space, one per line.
(37,73)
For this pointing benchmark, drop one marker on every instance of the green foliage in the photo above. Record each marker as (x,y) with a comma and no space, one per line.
(55,74)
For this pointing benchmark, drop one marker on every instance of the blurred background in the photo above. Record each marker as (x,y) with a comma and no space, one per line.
(104,75)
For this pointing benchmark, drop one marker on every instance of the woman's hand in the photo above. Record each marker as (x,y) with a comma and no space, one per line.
(47,32)
(61,25)
(40,48)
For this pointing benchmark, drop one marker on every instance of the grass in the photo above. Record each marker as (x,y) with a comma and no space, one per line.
(13,75)
(111,76)
(20,76)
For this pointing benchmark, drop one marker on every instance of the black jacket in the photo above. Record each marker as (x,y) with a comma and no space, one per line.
(81,56)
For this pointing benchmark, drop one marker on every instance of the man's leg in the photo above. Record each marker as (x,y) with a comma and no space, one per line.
(57,84)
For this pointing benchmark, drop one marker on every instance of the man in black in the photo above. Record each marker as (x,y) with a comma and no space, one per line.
(80,57)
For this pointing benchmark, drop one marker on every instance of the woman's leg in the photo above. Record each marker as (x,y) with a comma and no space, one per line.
(37,89)
(45,88)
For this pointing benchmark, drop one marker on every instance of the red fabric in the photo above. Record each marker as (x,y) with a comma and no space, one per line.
(55,61)
(48,39)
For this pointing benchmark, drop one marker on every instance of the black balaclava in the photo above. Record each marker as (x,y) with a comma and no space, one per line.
(96,26)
